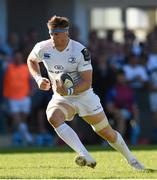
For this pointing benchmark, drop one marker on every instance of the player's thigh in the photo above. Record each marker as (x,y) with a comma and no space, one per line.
(96,118)
(70,110)
(59,111)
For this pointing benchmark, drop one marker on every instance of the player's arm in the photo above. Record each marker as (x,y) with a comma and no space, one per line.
(85,82)
(34,68)
(85,72)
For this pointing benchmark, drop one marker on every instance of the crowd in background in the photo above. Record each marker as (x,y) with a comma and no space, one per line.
(124,77)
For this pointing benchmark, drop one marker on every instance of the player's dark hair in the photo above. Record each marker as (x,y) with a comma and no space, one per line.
(58,22)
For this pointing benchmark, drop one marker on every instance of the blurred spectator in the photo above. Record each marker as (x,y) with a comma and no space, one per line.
(152,62)
(16,91)
(151,42)
(117,58)
(153,100)
(93,43)
(152,69)
(28,41)
(3,123)
(12,43)
(129,39)
(40,100)
(136,73)
(143,60)
(121,106)
(39,123)
(2,69)
(103,77)
(138,79)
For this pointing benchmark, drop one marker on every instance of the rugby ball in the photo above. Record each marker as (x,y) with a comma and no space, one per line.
(67,80)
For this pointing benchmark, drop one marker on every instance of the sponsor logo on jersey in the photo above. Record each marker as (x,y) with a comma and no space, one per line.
(56,72)
(72,60)
(46,56)
(97,107)
(59,67)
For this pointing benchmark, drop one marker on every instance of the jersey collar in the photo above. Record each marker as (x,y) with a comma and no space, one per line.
(66,49)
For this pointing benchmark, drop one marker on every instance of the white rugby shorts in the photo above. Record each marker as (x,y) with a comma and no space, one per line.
(85,104)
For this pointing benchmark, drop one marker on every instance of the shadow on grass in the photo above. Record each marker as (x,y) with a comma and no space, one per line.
(63,149)
(149,170)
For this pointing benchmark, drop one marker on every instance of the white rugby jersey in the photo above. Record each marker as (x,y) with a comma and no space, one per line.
(73,59)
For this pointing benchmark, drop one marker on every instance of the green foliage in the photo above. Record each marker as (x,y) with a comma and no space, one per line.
(57,163)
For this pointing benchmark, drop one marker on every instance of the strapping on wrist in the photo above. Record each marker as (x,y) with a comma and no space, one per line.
(70,91)
(37,77)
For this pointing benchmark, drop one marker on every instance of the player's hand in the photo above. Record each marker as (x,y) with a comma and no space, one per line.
(44,84)
(60,88)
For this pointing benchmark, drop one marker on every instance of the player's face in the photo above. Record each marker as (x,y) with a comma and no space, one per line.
(59,38)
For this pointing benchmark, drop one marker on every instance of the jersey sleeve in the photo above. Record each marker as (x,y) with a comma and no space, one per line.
(85,61)
(35,53)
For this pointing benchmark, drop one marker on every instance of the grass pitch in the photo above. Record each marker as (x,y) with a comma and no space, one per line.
(58,163)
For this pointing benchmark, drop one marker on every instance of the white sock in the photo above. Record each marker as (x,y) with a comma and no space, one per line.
(67,134)
(121,146)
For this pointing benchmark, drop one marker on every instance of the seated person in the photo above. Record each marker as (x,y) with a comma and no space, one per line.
(121,105)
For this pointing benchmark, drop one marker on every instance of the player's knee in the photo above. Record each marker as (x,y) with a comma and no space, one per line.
(104,130)
(100,125)
(55,117)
